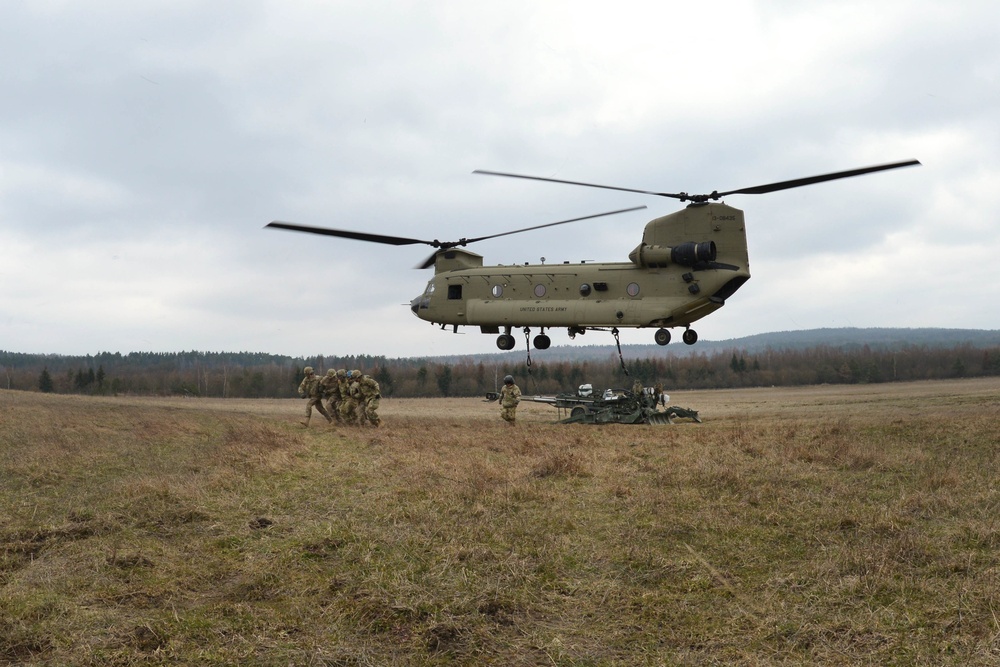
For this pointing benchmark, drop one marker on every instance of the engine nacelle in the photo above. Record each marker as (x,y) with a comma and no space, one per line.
(686,254)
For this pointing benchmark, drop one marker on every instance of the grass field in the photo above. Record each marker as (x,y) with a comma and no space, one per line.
(828,525)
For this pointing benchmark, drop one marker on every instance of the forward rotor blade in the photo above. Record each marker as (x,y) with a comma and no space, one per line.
(429,262)
(357,236)
(680,196)
(552,224)
(799,182)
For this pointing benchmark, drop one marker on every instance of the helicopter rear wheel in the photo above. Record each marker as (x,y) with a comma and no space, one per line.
(690,337)
(662,336)
(542,342)
(505,342)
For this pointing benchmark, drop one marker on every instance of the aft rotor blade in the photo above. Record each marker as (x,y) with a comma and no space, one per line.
(680,196)
(429,262)
(552,224)
(357,236)
(799,182)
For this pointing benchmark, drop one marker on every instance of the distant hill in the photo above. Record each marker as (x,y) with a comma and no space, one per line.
(847,338)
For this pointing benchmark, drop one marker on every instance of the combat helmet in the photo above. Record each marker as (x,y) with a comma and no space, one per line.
(307,370)
(508,379)
(341,373)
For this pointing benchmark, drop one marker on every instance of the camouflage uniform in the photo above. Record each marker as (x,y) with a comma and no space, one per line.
(659,395)
(310,389)
(368,400)
(510,396)
(331,391)
(348,404)
(357,397)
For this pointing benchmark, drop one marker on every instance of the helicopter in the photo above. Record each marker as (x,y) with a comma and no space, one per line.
(687,266)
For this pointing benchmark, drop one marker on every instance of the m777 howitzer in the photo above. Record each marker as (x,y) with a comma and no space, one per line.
(614,406)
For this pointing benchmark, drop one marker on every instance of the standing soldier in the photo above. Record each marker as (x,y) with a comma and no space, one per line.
(358,397)
(348,405)
(510,396)
(369,400)
(310,390)
(331,391)
(337,395)
(637,388)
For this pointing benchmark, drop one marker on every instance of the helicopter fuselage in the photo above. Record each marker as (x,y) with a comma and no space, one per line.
(687,265)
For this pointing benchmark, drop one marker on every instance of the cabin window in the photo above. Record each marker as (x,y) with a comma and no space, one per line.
(632,289)
(585,290)
(539,290)
(497,291)
(454,291)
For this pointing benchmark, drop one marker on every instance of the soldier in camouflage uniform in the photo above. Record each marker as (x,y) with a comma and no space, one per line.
(337,395)
(348,404)
(331,392)
(637,389)
(510,396)
(369,397)
(310,390)
(358,397)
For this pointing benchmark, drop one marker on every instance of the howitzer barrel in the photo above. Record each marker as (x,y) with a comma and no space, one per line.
(540,399)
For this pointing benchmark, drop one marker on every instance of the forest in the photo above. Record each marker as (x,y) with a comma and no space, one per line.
(257,375)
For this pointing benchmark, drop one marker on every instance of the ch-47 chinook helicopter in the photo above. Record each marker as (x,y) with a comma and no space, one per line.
(686,267)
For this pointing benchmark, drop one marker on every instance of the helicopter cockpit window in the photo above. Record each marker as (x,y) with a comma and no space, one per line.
(585,290)
(632,289)
(497,291)
(454,291)
(430,288)
(539,290)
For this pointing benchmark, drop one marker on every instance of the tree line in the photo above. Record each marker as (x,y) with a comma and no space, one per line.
(256,375)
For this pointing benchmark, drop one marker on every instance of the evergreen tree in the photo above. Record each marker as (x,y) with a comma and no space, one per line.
(45,383)
(444,380)
(384,379)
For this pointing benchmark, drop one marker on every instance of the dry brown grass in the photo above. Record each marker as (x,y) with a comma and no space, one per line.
(832,525)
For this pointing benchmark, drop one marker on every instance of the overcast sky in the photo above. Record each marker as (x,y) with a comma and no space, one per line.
(144,146)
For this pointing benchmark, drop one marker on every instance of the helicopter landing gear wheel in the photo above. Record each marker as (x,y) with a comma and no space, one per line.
(662,336)
(505,342)
(690,337)
(542,342)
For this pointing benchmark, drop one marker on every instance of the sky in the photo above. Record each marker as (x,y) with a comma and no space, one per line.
(144,146)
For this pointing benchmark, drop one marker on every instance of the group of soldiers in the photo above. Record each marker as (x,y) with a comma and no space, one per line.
(351,397)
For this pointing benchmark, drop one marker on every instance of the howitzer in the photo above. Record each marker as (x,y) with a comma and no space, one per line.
(614,406)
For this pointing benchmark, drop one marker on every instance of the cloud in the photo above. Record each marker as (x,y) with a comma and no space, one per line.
(146,146)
